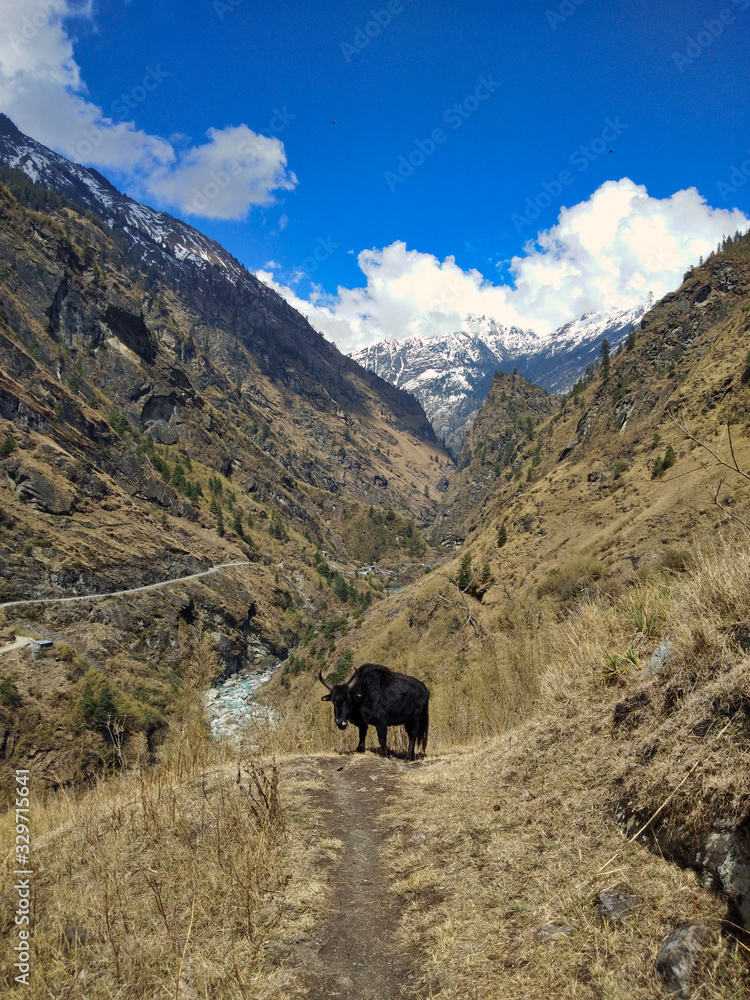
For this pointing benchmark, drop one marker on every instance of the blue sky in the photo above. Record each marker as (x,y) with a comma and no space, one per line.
(461,132)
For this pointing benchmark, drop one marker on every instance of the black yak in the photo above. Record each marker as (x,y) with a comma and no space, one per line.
(377,696)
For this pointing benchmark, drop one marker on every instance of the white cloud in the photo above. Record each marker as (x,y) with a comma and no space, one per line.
(604,253)
(235,169)
(42,91)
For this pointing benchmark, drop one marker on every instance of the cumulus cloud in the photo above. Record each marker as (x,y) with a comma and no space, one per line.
(42,91)
(607,252)
(235,169)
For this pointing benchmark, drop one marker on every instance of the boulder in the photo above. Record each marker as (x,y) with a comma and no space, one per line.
(36,490)
(658,658)
(677,957)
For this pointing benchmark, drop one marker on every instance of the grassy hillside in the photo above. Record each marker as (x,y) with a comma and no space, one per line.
(500,844)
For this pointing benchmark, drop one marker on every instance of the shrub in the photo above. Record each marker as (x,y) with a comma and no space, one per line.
(464,574)
(662,463)
(9,696)
(97,701)
(571,580)
(343,669)
(8,446)
(117,420)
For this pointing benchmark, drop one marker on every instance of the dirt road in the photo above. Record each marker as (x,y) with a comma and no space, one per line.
(18,643)
(122,593)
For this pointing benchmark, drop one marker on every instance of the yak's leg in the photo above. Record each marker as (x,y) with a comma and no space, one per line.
(383,737)
(411,732)
(362,738)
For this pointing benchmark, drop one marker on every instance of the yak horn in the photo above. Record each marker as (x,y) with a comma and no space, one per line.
(323,681)
(354,676)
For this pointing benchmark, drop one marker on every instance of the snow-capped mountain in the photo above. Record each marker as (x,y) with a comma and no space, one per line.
(157,240)
(451,375)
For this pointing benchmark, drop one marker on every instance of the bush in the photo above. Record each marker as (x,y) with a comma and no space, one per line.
(344,668)
(8,446)
(662,463)
(571,580)
(117,420)
(97,702)
(464,574)
(9,696)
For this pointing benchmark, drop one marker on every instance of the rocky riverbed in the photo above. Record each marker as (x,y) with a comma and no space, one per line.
(231,704)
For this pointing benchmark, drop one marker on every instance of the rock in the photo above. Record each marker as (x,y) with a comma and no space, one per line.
(677,957)
(442,485)
(37,491)
(567,450)
(549,931)
(725,860)
(163,433)
(658,658)
(615,906)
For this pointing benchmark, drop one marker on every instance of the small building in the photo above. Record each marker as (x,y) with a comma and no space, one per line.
(39,645)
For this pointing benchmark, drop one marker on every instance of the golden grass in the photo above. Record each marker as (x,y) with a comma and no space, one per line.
(160,882)
(174,881)
(523,832)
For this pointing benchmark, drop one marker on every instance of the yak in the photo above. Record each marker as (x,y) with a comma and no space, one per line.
(379,697)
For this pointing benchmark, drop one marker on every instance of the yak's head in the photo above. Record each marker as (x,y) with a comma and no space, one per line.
(343,698)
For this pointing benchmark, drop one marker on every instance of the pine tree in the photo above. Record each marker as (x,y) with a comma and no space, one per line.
(464,574)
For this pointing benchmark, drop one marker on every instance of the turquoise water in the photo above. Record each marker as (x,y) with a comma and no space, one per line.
(231,705)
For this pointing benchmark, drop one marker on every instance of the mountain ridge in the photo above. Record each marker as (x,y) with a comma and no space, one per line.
(451,374)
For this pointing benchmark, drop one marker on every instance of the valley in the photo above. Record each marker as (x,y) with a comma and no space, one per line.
(200,493)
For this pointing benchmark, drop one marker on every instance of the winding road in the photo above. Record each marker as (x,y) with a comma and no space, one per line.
(122,593)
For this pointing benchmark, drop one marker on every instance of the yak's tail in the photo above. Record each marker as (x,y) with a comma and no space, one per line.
(424,726)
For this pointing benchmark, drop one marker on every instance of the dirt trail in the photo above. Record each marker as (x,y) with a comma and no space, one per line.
(123,593)
(356,954)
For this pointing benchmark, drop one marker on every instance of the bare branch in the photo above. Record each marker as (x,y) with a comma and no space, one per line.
(462,605)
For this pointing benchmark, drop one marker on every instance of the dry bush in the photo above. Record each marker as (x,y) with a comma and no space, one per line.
(574,578)
(161,882)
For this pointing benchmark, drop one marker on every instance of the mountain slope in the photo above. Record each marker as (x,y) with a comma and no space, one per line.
(451,375)
(152,426)
(598,610)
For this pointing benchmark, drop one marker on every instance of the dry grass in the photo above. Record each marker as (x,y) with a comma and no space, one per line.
(162,882)
(175,881)
(523,833)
